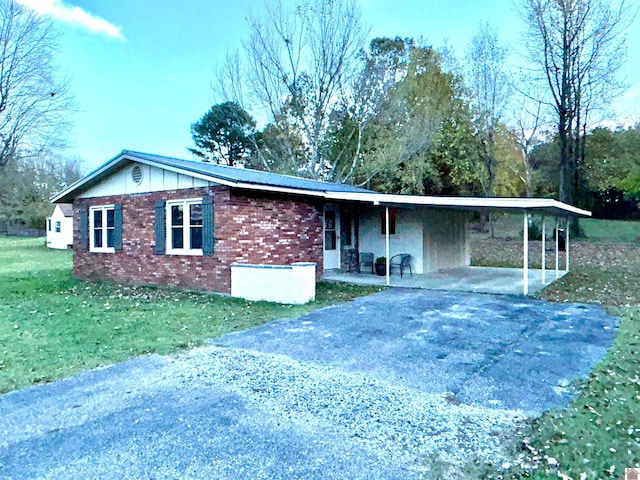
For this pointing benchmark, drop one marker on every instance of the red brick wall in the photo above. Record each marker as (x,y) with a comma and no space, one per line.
(250,227)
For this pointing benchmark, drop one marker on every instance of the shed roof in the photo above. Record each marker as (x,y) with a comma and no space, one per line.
(67,209)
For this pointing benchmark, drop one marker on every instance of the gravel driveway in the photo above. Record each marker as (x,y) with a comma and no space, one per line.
(375,388)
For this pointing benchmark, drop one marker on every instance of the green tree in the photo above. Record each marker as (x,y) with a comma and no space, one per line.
(224,135)
(420,139)
(27,184)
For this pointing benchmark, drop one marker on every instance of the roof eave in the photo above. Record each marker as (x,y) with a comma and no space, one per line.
(540,205)
(66,195)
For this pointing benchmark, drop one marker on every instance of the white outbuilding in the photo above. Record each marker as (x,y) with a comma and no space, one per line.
(60,227)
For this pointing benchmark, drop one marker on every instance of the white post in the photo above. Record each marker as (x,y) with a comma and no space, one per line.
(567,228)
(544,259)
(386,239)
(525,254)
(557,250)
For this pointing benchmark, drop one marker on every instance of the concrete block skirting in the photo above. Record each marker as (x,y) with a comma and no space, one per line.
(295,283)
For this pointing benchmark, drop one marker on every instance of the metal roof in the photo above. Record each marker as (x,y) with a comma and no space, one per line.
(537,205)
(266,181)
(245,175)
(231,176)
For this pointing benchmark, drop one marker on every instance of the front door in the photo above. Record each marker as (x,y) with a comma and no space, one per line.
(331,238)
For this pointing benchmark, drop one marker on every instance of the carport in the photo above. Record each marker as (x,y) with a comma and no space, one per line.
(554,214)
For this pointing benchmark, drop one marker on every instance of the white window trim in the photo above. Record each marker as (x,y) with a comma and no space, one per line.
(186,232)
(103,209)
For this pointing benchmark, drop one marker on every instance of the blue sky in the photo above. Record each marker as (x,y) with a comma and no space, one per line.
(141,70)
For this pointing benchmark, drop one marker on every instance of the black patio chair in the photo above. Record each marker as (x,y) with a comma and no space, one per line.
(366,259)
(401,261)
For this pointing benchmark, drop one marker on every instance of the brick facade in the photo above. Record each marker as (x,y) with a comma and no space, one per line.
(250,227)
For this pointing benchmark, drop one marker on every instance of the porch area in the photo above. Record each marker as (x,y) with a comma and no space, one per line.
(509,281)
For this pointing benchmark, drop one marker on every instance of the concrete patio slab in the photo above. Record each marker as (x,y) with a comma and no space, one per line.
(494,280)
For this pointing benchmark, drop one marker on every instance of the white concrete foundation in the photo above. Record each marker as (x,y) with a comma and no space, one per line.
(294,284)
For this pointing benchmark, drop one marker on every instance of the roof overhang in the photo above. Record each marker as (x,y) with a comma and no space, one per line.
(68,194)
(535,205)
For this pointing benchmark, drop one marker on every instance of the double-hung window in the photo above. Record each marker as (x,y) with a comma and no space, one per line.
(184,227)
(102,229)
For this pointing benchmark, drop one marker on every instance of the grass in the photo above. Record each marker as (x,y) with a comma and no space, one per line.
(598,434)
(53,326)
(593,230)
(615,231)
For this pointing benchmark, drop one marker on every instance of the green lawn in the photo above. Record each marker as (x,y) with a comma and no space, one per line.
(593,230)
(616,231)
(52,326)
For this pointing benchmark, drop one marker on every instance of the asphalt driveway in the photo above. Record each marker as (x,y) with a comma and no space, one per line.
(376,388)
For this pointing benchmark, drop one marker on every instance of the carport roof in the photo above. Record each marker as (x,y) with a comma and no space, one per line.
(536,205)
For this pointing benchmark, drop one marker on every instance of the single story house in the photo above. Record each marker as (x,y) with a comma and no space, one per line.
(60,227)
(154,220)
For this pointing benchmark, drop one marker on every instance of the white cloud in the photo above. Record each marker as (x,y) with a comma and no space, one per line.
(73,15)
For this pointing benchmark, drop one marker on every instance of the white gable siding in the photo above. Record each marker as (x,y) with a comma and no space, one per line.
(153,180)
(64,238)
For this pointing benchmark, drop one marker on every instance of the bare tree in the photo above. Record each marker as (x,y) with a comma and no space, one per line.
(31,98)
(489,81)
(370,90)
(578,46)
(528,123)
(297,65)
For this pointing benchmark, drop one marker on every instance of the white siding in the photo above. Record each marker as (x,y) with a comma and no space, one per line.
(295,283)
(407,239)
(435,238)
(153,180)
(64,238)
(446,239)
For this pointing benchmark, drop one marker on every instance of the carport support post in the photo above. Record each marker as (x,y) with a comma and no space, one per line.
(566,247)
(386,239)
(544,260)
(525,254)
(557,250)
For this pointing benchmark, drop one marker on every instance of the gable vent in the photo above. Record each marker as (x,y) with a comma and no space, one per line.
(136,174)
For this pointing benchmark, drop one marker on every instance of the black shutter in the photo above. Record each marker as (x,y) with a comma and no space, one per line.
(160,229)
(84,228)
(208,240)
(117,230)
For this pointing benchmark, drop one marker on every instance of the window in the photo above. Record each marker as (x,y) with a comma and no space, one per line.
(49,224)
(57,226)
(392,222)
(184,227)
(329,230)
(102,229)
